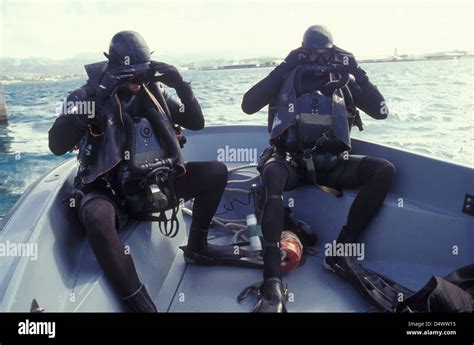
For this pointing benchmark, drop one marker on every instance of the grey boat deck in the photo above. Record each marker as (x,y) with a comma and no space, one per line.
(409,244)
(312,288)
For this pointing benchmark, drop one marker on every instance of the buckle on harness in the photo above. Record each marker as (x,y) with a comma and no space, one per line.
(320,142)
(309,163)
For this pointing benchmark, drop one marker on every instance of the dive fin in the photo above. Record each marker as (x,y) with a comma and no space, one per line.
(381,291)
(251,289)
(237,254)
(35,308)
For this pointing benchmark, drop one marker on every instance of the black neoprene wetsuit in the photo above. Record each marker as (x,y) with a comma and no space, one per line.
(102,216)
(373,175)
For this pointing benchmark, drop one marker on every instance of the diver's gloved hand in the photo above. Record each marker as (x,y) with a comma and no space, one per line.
(349,63)
(295,58)
(167,74)
(109,82)
(170,76)
(102,93)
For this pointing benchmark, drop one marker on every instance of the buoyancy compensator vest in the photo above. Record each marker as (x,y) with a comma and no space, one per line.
(311,120)
(151,160)
(311,112)
(135,153)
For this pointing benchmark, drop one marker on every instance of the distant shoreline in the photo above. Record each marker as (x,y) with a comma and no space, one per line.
(364,61)
(37,79)
(418,60)
(32,79)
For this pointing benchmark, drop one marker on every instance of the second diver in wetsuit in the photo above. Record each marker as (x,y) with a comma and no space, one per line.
(324,159)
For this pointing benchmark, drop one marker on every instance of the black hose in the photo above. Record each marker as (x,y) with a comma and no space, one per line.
(336,84)
(130,142)
(162,127)
(162,101)
(349,100)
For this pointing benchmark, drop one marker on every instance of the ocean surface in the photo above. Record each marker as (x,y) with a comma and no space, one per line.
(431,112)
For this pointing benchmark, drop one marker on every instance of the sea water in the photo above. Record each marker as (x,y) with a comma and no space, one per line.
(431,107)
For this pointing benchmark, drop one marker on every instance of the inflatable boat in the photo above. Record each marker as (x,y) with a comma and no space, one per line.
(425,228)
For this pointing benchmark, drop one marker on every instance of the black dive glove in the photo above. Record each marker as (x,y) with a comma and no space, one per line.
(350,65)
(170,76)
(166,74)
(110,80)
(102,93)
(295,58)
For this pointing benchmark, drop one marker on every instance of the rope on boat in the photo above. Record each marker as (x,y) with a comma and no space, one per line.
(238,190)
(232,225)
(243,167)
(244,181)
(243,220)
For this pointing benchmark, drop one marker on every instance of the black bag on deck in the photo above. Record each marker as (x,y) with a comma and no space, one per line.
(454,293)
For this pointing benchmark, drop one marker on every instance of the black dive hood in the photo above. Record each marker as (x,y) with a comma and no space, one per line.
(317,37)
(127,51)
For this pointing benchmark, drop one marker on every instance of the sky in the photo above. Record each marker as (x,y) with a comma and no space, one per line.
(60,29)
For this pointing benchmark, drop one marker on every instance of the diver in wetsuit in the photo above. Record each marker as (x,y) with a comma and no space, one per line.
(373,175)
(126,90)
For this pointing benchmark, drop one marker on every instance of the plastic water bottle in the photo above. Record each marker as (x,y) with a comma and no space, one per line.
(255,232)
